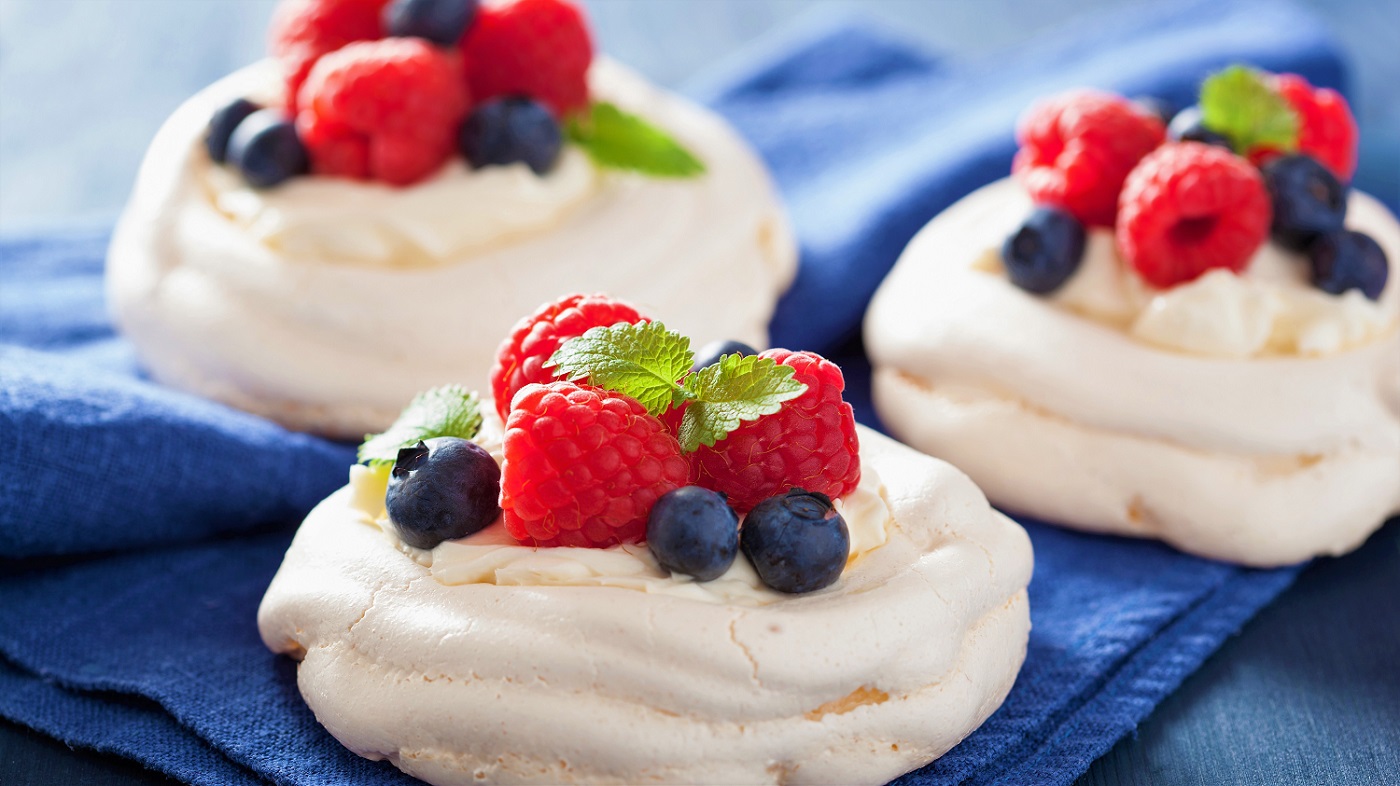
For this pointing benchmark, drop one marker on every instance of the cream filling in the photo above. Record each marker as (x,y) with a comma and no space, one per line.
(492,556)
(326,304)
(1269,309)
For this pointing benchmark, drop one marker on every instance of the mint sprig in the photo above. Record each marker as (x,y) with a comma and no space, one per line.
(642,360)
(615,139)
(448,411)
(652,365)
(1239,103)
(735,389)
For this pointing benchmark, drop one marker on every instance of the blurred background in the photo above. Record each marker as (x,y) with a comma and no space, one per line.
(84,84)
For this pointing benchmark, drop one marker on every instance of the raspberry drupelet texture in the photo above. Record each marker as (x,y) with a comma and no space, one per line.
(583,467)
(304,30)
(1326,129)
(387,110)
(810,443)
(1077,148)
(1191,207)
(536,48)
(521,357)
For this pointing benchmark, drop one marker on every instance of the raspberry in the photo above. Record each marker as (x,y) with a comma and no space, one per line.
(386,110)
(1190,207)
(1327,131)
(521,357)
(583,466)
(304,30)
(536,48)
(810,443)
(1078,147)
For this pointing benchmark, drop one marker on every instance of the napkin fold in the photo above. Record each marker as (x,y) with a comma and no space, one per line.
(153,652)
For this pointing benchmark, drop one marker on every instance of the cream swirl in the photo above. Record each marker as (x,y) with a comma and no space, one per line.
(1075,419)
(259,301)
(874,676)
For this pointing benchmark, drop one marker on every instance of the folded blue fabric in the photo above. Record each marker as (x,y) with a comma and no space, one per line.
(154,654)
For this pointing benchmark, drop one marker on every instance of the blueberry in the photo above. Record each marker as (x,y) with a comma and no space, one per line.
(711,352)
(442,489)
(1045,251)
(1189,126)
(796,541)
(1348,260)
(508,130)
(265,148)
(694,531)
(1159,108)
(222,124)
(439,21)
(1308,199)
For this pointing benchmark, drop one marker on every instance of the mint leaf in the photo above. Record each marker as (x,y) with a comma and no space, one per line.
(615,139)
(642,361)
(735,389)
(448,411)
(1239,103)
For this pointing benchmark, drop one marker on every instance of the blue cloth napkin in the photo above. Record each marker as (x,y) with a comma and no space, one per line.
(152,652)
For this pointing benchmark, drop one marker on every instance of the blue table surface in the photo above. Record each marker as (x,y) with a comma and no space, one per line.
(1304,695)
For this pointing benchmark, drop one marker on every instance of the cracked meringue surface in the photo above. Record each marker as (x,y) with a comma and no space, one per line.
(326,303)
(481,682)
(1249,419)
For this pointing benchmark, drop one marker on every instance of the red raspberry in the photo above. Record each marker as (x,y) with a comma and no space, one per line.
(810,443)
(1077,148)
(304,30)
(521,357)
(386,110)
(1327,131)
(583,467)
(537,48)
(1190,207)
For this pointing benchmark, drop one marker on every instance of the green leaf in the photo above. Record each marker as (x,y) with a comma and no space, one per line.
(615,139)
(642,361)
(735,389)
(448,411)
(1239,103)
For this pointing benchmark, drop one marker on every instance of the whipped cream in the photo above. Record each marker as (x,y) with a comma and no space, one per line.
(326,303)
(1271,308)
(480,682)
(1261,459)
(492,556)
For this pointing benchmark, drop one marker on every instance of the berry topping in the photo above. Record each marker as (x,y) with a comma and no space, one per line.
(537,48)
(266,150)
(304,30)
(442,489)
(713,351)
(1189,207)
(693,531)
(440,21)
(1189,126)
(1327,131)
(810,441)
(521,358)
(1349,260)
(1045,251)
(222,124)
(386,110)
(796,541)
(583,466)
(511,130)
(1308,200)
(1077,148)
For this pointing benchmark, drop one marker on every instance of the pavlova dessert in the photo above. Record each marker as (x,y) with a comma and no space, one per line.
(1186,332)
(302,232)
(653,568)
